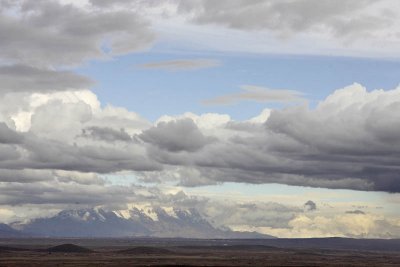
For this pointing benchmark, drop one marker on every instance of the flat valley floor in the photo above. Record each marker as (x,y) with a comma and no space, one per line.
(114,252)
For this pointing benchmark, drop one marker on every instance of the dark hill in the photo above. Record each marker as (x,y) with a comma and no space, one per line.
(69,248)
(146,250)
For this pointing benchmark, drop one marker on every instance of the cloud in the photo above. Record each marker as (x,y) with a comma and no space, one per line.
(257,94)
(290,17)
(48,33)
(24,176)
(20,78)
(364,28)
(8,136)
(347,141)
(64,194)
(61,146)
(176,136)
(347,225)
(355,212)
(182,64)
(106,134)
(310,206)
(257,214)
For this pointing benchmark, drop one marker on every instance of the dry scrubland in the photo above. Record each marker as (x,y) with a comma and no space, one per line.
(169,253)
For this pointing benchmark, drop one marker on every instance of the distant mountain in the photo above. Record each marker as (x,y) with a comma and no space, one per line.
(8,232)
(151,222)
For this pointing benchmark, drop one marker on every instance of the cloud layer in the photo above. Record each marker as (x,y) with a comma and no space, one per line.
(348,141)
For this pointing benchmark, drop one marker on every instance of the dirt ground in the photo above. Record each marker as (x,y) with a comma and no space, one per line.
(196,256)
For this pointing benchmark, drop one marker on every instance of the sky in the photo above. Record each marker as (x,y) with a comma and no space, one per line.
(280,117)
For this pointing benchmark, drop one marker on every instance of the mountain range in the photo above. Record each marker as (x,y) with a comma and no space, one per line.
(8,232)
(150,222)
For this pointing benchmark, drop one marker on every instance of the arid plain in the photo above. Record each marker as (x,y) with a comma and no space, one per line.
(185,252)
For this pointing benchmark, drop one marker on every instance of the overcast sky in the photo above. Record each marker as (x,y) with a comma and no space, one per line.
(277,116)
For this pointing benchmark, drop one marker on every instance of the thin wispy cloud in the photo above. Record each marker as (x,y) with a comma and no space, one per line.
(256,94)
(182,64)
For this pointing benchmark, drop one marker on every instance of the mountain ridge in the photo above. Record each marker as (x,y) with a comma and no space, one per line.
(155,222)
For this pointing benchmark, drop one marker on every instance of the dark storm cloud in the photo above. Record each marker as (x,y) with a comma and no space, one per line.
(48,33)
(20,78)
(176,136)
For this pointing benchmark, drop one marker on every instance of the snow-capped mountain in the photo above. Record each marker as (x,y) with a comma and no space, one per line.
(152,222)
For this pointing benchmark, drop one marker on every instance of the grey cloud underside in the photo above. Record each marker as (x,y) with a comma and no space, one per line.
(20,78)
(40,153)
(8,136)
(62,194)
(176,136)
(106,134)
